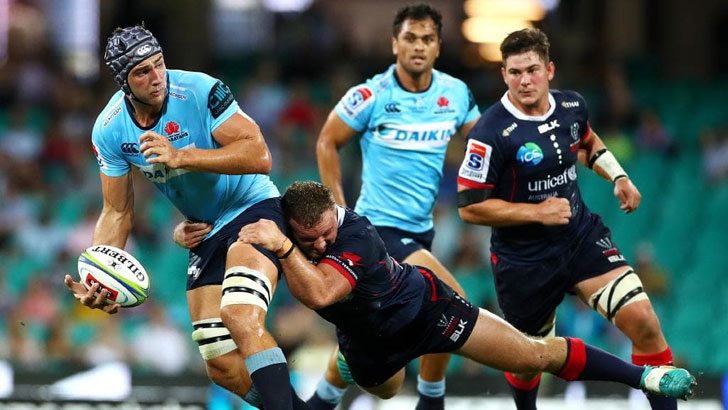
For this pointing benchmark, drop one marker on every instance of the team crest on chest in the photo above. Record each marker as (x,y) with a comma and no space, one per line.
(172,129)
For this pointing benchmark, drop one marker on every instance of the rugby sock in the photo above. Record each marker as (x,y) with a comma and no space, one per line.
(326,397)
(657,359)
(584,362)
(269,372)
(432,394)
(524,391)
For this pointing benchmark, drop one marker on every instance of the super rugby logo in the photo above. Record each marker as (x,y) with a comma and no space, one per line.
(476,162)
(99,160)
(357,100)
(172,131)
(529,154)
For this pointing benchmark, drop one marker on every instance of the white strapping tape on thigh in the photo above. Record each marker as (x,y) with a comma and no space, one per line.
(621,291)
(212,337)
(245,286)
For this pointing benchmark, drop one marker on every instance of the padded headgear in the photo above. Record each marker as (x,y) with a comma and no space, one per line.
(125,49)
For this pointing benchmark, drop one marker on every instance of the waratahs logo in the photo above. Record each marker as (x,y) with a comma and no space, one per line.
(173,132)
(529,154)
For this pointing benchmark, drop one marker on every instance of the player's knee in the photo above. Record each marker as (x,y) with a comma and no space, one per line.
(246,294)
(618,294)
(639,322)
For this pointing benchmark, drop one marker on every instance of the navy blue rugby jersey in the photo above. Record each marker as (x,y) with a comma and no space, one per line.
(381,301)
(522,158)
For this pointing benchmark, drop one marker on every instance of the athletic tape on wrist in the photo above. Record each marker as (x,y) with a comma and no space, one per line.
(609,164)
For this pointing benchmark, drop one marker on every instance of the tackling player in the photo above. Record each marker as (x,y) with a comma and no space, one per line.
(405,117)
(519,176)
(186,134)
(387,313)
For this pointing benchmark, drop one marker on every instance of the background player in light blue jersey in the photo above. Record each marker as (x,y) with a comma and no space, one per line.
(406,116)
(185,133)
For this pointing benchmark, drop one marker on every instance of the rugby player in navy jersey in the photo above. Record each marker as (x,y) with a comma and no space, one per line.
(186,134)
(519,176)
(404,119)
(387,313)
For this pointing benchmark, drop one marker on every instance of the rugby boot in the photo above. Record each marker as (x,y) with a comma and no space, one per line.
(668,381)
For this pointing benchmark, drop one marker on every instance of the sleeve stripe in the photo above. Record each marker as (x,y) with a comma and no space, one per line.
(587,132)
(474,185)
(341,270)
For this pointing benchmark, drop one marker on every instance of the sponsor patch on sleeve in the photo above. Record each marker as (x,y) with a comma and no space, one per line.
(99,160)
(356,100)
(476,162)
(219,99)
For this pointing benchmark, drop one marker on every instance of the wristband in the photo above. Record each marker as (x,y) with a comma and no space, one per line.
(288,252)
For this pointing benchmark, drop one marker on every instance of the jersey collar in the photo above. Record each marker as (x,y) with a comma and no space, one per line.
(340,214)
(521,116)
(399,83)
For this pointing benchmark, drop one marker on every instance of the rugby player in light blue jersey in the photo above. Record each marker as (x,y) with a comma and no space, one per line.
(186,134)
(405,117)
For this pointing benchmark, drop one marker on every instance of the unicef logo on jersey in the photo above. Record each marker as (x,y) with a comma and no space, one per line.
(529,154)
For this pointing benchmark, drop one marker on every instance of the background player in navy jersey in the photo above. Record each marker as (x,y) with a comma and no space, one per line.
(185,133)
(387,313)
(519,176)
(405,118)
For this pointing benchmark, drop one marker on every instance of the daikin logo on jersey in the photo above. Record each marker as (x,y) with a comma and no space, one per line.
(416,136)
(552,182)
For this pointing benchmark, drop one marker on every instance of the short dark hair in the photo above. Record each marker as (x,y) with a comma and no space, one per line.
(523,41)
(306,201)
(417,12)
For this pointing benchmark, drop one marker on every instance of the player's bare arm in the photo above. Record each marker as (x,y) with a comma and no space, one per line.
(112,228)
(334,134)
(316,286)
(498,213)
(465,129)
(593,153)
(243,150)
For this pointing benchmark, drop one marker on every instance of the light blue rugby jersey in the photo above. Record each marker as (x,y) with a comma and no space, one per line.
(404,139)
(196,105)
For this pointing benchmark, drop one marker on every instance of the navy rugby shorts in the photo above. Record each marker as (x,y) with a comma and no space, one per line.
(401,244)
(206,265)
(444,324)
(528,293)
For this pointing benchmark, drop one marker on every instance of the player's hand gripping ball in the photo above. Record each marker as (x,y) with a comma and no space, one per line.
(118,273)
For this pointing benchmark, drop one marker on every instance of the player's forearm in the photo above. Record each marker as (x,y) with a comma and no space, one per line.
(587,152)
(329,165)
(236,158)
(306,282)
(499,213)
(113,228)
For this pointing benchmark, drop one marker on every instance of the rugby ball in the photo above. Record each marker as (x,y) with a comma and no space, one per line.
(119,274)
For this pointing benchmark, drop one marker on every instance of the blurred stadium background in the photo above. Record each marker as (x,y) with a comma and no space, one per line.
(655,73)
